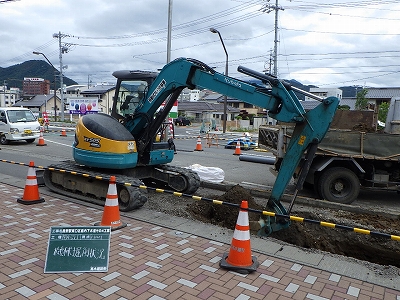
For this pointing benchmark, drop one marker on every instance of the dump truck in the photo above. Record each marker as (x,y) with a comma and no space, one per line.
(355,153)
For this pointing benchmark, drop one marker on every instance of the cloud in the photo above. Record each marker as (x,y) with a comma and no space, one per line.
(325,44)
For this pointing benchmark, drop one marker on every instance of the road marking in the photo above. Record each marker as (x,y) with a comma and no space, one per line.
(58,143)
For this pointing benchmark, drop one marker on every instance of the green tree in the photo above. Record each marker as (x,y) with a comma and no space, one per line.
(361,101)
(383,111)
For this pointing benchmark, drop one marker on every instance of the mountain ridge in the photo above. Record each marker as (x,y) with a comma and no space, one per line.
(14,75)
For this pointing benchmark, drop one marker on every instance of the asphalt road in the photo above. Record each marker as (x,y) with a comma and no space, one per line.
(60,148)
(247,174)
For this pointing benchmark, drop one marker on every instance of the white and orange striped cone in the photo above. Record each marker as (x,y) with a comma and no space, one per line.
(238,151)
(41,139)
(111,215)
(239,258)
(63,132)
(31,190)
(198,145)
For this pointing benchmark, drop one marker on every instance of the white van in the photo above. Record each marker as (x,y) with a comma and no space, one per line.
(18,123)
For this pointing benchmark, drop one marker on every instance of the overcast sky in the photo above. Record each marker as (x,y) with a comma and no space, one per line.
(329,45)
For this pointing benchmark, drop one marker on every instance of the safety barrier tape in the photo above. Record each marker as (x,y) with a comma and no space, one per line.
(175,138)
(219,202)
(67,130)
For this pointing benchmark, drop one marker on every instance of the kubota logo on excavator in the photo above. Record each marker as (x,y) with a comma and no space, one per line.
(158,89)
(93,142)
(233,82)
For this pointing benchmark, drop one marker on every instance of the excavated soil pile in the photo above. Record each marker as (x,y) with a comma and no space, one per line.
(378,250)
(224,215)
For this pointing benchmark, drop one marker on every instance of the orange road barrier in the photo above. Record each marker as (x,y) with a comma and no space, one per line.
(239,258)
(63,132)
(238,151)
(198,145)
(111,215)
(41,139)
(31,190)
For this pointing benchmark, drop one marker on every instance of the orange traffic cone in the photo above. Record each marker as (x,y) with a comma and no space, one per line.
(63,132)
(239,258)
(111,209)
(41,139)
(238,151)
(31,190)
(198,145)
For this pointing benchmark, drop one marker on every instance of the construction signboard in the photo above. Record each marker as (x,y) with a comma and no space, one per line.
(78,249)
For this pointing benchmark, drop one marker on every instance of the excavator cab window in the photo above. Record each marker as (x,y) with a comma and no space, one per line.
(130,96)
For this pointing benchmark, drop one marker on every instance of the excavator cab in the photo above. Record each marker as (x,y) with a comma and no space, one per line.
(132,87)
(130,94)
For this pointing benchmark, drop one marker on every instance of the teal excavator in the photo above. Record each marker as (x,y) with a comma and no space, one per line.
(125,143)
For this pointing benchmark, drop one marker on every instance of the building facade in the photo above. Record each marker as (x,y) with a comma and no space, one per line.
(325,93)
(8,97)
(36,86)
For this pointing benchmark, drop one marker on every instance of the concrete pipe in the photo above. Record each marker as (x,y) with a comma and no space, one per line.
(269,160)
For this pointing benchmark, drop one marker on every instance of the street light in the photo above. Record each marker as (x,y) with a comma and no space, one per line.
(213,30)
(55,99)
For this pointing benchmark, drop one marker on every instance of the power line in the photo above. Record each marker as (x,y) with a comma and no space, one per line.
(189,24)
(26,55)
(341,33)
(349,4)
(361,79)
(175,36)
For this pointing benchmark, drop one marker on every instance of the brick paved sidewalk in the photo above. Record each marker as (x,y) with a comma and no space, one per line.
(148,261)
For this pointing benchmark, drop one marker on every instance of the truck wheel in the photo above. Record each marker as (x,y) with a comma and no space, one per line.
(339,185)
(3,140)
(30,141)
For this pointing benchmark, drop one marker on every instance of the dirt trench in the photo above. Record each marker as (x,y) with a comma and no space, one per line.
(377,250)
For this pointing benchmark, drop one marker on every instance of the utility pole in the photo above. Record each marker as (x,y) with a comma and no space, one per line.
(88,81)
(268,65)
(4,92)
(267,9)
(169,31)
(63,49)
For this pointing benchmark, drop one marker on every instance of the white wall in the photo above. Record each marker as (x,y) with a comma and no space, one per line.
(325,93)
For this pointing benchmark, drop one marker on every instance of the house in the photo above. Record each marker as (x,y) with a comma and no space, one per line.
(74,90)
(103,92)
(325,93)
(41,103)
(232,102)
(376,96)
(200,111)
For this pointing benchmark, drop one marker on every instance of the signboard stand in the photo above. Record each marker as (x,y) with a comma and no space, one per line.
(78,249)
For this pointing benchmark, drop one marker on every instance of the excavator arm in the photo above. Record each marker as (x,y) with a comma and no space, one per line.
(279,100)
(283,105)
